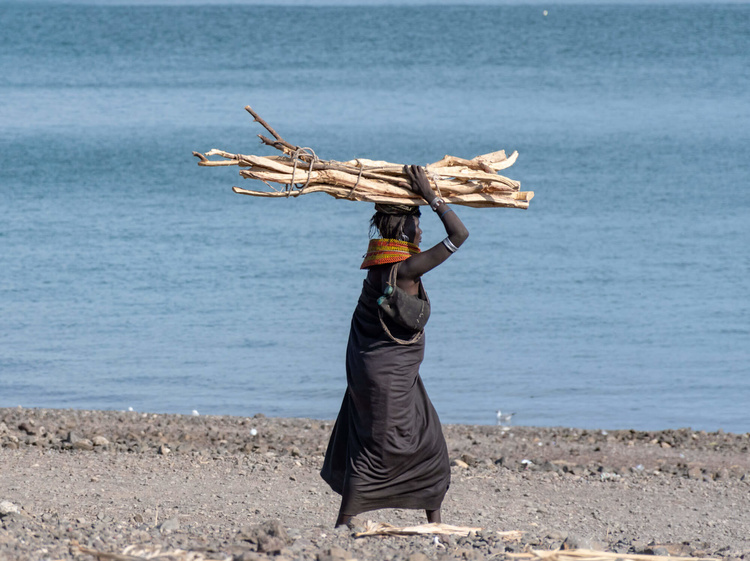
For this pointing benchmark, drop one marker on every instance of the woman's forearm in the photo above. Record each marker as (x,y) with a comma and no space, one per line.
(457,232)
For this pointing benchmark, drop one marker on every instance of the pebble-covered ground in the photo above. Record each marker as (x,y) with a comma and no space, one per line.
(248,489)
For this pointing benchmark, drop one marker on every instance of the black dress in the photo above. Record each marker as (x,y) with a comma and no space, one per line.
(387,449)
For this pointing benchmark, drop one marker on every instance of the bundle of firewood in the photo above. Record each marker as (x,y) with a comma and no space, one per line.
(298,171)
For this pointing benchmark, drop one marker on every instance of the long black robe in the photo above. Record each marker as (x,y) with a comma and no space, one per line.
(387,449)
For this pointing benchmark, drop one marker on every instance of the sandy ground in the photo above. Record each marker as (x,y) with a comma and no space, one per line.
(248,489)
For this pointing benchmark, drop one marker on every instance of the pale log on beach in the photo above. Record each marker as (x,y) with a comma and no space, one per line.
(299,171)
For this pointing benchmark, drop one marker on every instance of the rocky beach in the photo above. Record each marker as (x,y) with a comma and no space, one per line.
(247,488)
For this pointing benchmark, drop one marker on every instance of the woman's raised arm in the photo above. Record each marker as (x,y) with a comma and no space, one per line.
(417,265)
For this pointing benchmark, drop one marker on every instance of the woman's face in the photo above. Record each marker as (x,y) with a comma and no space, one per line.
(412,230)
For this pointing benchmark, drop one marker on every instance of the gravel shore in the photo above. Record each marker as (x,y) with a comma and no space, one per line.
(247,488)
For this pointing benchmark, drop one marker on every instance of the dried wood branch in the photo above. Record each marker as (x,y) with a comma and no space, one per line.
(144,552)
(299,171)
(592,555)
(385,529)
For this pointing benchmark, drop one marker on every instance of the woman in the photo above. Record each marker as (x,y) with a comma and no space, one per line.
(387,448)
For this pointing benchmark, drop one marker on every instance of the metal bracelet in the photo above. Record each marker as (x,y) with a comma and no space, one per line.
(436,202)
(449,245)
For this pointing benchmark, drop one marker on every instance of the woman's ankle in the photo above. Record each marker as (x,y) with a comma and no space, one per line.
(343,520)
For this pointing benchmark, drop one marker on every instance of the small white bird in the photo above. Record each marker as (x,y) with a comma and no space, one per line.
(195,413)
(504,419)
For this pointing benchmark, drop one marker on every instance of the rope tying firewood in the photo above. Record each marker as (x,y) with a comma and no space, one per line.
(359,176)
(298,151)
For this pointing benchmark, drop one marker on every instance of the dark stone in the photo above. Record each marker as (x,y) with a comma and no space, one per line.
(486,535)
(73,437)
(576,542)
(469,459)
(556,535)
(333,554)
(576,469)
(248,556)
(468,554)
(83,444)
(268,529)
(621,547)
(550,467)
(27,427)
(356,525)
(270,544)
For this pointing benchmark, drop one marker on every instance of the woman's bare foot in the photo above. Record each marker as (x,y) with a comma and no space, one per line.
(433,516)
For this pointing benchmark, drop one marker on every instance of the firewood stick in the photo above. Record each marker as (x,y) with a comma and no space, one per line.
(336,177)
(482,177)
(335,191)
(501,183)
(447,189)
(284,165)
(370,166)
(504,163)
(266,126)
(458,171)
(281,164)
(454,186)
(452,161)
(343,167)
(479,200)
(333,177)
(493,157)
(369,174)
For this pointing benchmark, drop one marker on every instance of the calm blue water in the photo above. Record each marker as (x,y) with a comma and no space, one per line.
(129,277)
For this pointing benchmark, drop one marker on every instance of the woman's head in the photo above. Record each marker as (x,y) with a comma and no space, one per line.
(397,222)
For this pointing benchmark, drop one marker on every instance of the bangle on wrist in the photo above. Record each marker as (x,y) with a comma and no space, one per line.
(437,201)
(445,212)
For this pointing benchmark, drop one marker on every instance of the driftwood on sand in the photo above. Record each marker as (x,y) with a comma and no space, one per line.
(146,552)
(298,171)
(593,555)
(385,529)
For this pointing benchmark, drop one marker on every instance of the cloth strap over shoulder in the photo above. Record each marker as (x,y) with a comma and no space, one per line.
(406,310)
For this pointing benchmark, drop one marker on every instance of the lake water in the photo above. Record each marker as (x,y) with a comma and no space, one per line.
(130,277)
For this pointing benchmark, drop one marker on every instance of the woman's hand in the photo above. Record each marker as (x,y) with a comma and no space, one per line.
(419,264)
(419,182)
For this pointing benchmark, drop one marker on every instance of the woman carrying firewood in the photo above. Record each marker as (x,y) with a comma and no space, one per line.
(387,448)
